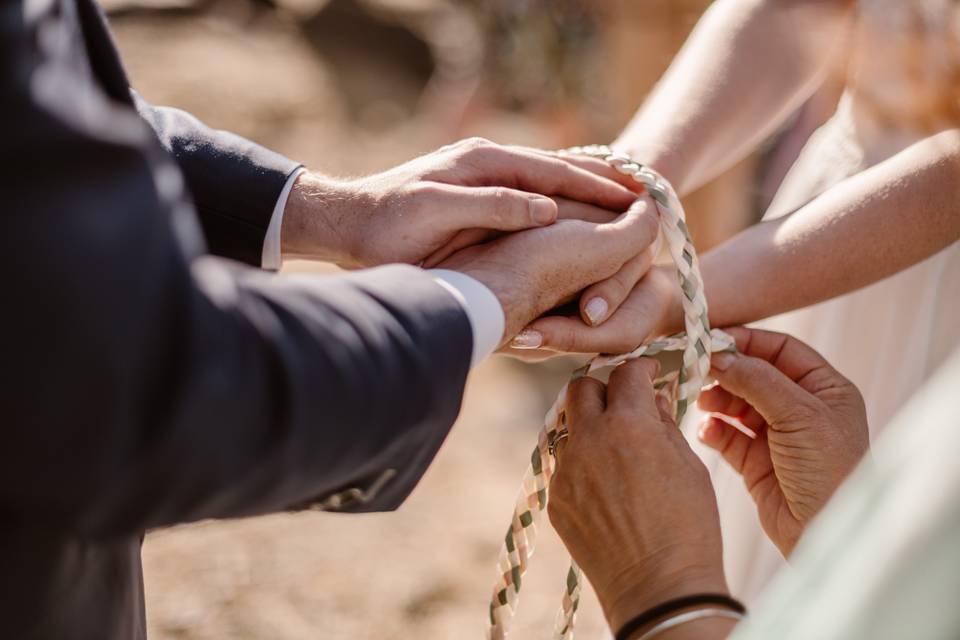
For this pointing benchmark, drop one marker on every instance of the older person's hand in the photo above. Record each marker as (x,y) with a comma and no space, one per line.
(631,500)
(810,422)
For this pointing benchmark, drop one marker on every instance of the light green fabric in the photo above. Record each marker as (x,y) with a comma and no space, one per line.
(883,560)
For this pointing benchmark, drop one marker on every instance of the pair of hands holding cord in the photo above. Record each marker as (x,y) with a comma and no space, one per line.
(535,227)
(633,503)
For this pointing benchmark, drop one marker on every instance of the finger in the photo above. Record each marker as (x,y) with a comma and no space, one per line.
(716,399)
(760,384)
(586,399)
(498,208)
(633,323)
(730,443)
(797,360)
(594,165)
(461,240)
(630,388)
(599,301)
(538,173)
(529,354)
(632,232)
(573,210)
(566,210)
(569,334)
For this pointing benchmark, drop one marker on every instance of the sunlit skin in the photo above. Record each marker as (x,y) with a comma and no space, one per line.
(634,504)
(716,103)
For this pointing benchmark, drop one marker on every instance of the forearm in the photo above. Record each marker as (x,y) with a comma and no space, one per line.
(865,229)
(745,68)
(316,216)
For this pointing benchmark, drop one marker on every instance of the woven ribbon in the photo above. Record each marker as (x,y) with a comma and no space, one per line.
(682,387)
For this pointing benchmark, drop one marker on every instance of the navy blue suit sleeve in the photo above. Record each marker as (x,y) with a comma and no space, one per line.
(234,183)
(147,384)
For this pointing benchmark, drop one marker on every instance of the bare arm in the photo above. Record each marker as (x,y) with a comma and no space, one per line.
(745,68)
(865,229)
(868,227)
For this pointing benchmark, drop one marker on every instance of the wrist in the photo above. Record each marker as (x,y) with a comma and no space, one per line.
(661,159)
(714,628)
(671,319)
(511,299)
(316,220)
(641,591)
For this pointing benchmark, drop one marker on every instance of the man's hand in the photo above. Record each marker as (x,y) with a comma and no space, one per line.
(533,271)
(810,422)
(441,202)
(631,500)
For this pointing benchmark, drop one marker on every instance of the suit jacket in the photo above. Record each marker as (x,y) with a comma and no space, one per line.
(146,382)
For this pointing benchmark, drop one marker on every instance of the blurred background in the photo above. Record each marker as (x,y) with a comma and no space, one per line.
(352,87)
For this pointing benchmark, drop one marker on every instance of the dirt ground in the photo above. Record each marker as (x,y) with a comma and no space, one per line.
(425,571)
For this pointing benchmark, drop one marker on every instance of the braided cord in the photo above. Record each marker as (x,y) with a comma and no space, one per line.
(697,343)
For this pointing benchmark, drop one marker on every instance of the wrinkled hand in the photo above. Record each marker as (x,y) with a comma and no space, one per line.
(532,271)
(443,201)
(631,500)
(651,308)
(810,422)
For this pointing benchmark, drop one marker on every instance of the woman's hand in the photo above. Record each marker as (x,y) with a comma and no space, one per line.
(810,422)
(631,500)
(652,308)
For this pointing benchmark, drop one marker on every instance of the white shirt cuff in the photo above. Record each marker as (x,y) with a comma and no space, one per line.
(271,258)
(482,308)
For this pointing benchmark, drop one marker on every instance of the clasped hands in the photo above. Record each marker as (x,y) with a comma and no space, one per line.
(536,227)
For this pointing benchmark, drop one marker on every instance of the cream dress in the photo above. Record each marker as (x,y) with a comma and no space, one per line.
(903,85)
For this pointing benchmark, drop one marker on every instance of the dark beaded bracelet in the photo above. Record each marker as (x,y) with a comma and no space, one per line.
(655,613)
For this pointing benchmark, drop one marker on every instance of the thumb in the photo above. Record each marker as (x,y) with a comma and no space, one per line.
(498,208)
(633,231)
(775,396)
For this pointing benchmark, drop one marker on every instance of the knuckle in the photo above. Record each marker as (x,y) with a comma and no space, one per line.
(425,192)
(475,143)
(503,203)
(803,412)
(618,417)
(591,382)
(618,286)
(651,222)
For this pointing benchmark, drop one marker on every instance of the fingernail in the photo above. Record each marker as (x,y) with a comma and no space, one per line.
(596,310)
(543,210)
(527,339)
(722,361)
